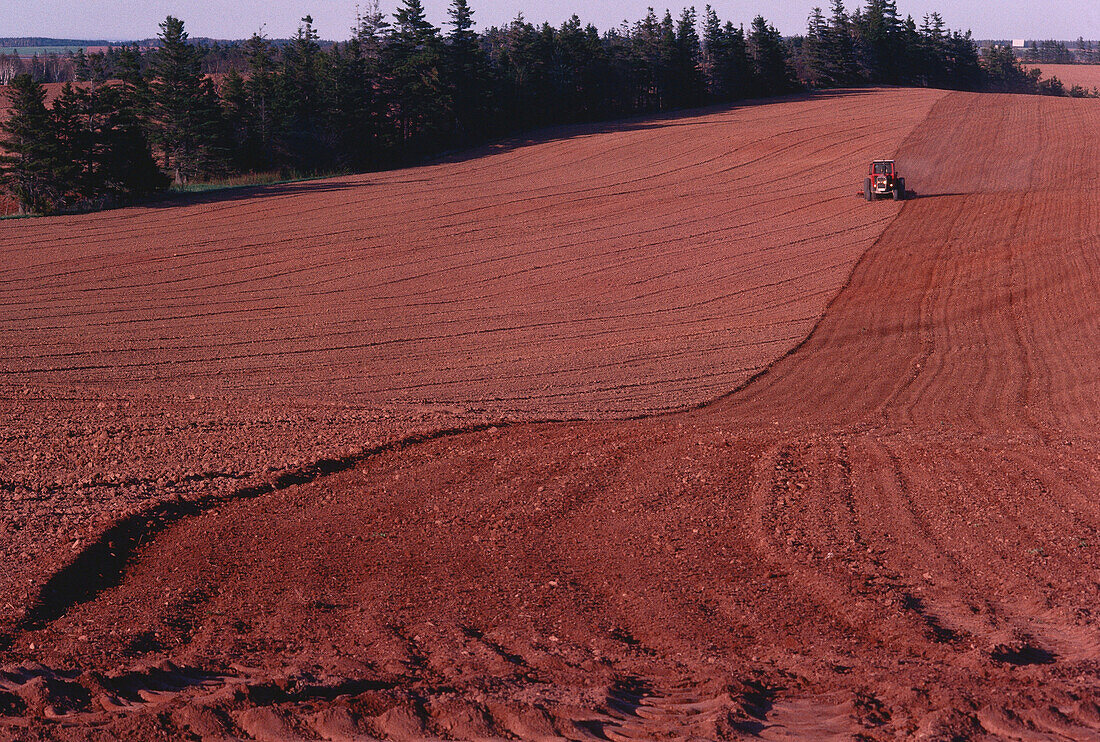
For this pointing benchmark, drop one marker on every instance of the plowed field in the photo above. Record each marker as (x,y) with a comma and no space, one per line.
(884,525)
(1085,75)
(623,270)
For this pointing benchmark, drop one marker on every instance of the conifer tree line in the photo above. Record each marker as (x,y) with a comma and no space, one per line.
(400,90)
(1056,52)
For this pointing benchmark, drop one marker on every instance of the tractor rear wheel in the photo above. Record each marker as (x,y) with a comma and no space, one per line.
(901,189)
(867,188)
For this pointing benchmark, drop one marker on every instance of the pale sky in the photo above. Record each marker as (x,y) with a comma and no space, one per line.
(230,19)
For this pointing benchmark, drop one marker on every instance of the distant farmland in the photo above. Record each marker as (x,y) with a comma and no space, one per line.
(28,46)
(1085,75)
(30,51)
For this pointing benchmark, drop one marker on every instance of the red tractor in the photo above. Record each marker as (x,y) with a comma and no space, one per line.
(883,179)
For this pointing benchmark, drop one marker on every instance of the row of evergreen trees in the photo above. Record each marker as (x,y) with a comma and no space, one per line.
(876,45)
(397,92)
(1057,52)
(89,150)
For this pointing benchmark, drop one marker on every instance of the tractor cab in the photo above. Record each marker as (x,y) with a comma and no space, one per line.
(882,180)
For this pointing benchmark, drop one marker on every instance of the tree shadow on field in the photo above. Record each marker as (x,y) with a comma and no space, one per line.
(336,184)
(915,196)
(103,562)
(340,183)
(641,122)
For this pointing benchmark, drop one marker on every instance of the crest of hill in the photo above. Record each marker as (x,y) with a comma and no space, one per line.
(38,42)
(589,275)
(1085,75)
(18,41)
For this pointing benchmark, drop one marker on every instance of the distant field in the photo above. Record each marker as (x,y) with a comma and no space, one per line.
(29,51)
(1085,75)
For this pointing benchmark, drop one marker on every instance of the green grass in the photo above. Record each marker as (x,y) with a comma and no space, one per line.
(247,180)
(30,51)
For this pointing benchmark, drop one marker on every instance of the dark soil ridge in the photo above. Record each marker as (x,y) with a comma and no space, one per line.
(102,564)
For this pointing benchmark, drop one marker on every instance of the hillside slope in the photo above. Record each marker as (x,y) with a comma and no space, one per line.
(892,532)
(159,352)
(1085,75)
(608,270)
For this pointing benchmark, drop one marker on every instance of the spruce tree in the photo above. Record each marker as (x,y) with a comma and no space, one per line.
(302,72)
(462,37)
(413,64)
(124,158)
(261,107)
(522,57)
(184,110)
(75,144)
(135,96)
(109,161)
(687,83)
(238,122)
(646,62)
(881,51)
(303,92)
(727,68)
(31,164)
(815,50)
(712,43)
(932,54)
(82,71)
(773,73)
(98,67)
(593,76)
(911,57)
(666,61)
(737,69)
(352,104)
(370,31)
(842,64)
(468,74)
(964,68)
(1003,72)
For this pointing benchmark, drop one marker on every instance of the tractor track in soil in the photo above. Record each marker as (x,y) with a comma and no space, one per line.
(888,530)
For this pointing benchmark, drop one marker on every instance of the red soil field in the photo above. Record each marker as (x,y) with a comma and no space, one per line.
(576,277)
(167,352)
(889,531)
(1085,75)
